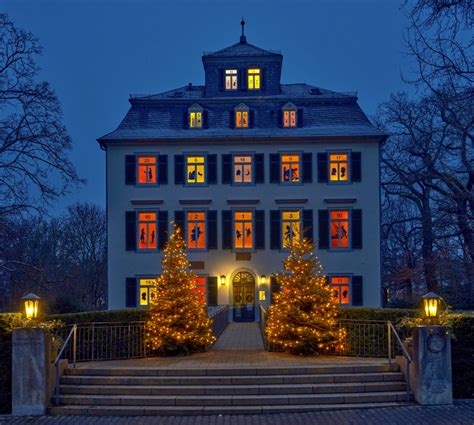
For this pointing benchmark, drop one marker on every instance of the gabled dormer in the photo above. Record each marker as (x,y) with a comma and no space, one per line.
(242,70)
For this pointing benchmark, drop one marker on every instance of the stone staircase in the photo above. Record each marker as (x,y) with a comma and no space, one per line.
(230,390)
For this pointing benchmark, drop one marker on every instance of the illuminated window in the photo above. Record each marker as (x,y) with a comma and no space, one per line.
(147,169)
(339,223)
(201,288)
(195,119)
(338,167)
(147,292)
(243,230)
(289,115)
(290,168)
(290,227)
(147,230)
(196,230)
(231,79)
(195,169)
(253,78)
(340,286)
(243,169)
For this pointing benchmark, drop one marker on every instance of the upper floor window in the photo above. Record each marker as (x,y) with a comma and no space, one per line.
(242,114)
(196,229)
(290,168)
(290,228)
(338,167)
(339,229)
(340,286)
(146,169)
(196,115)
(147,291)
(147,230)
(289,115)
(231,79)
(195,169)
(243,229)
(253,75)
(243,169)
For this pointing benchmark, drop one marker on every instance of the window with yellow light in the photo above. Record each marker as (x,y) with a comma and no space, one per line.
(243,229)
(340,286)
(290,228)
(338,167)
(253,78)
(147,230)
(195,119)
(195,169)
(147,291)
(146,169)
(196,229)
(339,229)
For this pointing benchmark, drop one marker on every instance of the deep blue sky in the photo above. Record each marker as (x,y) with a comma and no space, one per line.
(98,52)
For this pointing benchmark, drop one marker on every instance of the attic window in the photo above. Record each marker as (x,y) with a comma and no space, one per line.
(315,91)
(195,113)
(231,79)
(253,75)
(241,116)
(289,115)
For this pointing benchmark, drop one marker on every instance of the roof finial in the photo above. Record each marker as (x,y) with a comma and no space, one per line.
(243,39)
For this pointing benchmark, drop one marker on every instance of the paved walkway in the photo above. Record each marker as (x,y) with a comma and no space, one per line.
(240,337)
(461,413)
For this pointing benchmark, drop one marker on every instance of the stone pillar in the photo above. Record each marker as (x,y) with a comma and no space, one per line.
(31,352)
(432,365)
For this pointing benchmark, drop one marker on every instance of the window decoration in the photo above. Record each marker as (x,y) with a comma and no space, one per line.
(195,116)
(196,230)
(231,79)
(340,286)
(289,115)
(147,291)
(201,288)
(290,227)
(147,230)
(147,169)
(339,225)
(242,116)
(243,169)
(290,168)
(253,79)
(338,167)
(243,229)
(195,169)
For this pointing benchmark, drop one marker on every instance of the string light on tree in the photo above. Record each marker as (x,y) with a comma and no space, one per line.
(178,322)
(303,317)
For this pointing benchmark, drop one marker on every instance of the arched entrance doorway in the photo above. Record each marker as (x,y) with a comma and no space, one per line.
(243,298)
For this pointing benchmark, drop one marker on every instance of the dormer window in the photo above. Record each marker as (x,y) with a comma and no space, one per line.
(289,115)
(195,113)
(231,79)
(242,116)
(253,82)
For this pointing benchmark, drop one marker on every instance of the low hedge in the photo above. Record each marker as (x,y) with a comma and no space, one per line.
(124,315)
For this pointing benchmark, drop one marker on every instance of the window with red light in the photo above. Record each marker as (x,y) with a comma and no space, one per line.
(340,286)
(201,288)
(146,170)
(339,229)
(147,230)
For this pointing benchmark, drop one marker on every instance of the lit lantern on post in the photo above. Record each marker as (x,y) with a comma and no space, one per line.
(222,280)
(31,305)
(431,304)
(263,279)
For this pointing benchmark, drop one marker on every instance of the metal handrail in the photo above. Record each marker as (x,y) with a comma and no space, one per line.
(407,356)
(73,334)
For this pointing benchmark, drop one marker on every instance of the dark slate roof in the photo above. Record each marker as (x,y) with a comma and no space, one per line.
(162,116)
(241,49)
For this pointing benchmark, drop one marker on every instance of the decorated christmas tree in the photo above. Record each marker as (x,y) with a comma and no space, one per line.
(178,322)
(303,316)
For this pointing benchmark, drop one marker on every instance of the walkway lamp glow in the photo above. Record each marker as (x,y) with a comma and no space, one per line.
(431,304)
(31,305)
(222,280)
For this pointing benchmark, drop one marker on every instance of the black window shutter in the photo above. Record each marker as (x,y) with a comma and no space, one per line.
(205,118)
(212,169)
(299,119)
(179,169)
(130,174)
(243,79)
(232,118)
(259,168)
(162,229)
(130,231)
(179,220)
(274,168)
(275,229)
(212,290)
(357,291)
(356,167)
(357,229)
(323,229)
(322,167)
(212,230)
(262,79)
(130,292)
(274,287)
(307,167)
(251,118)
(226,229)
(186,119)
(259,229)
(221,80)
(226,169)
(308,224)
(280,118)
(163,169)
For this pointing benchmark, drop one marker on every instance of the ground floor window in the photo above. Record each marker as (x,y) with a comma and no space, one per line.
(340,286)
(201,288)
(147,291)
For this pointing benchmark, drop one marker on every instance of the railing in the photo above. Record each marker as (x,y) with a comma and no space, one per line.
(391,329)
(220,319)
(262,323)
(73,335)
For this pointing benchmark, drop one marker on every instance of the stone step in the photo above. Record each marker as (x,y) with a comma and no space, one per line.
(209,410)
(232,400)
(232,389)
(233,371)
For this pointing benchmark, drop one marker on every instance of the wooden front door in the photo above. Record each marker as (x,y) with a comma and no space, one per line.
(243,287)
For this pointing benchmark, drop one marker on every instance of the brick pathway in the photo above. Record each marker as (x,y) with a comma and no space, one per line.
(461,413)
(240,337)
